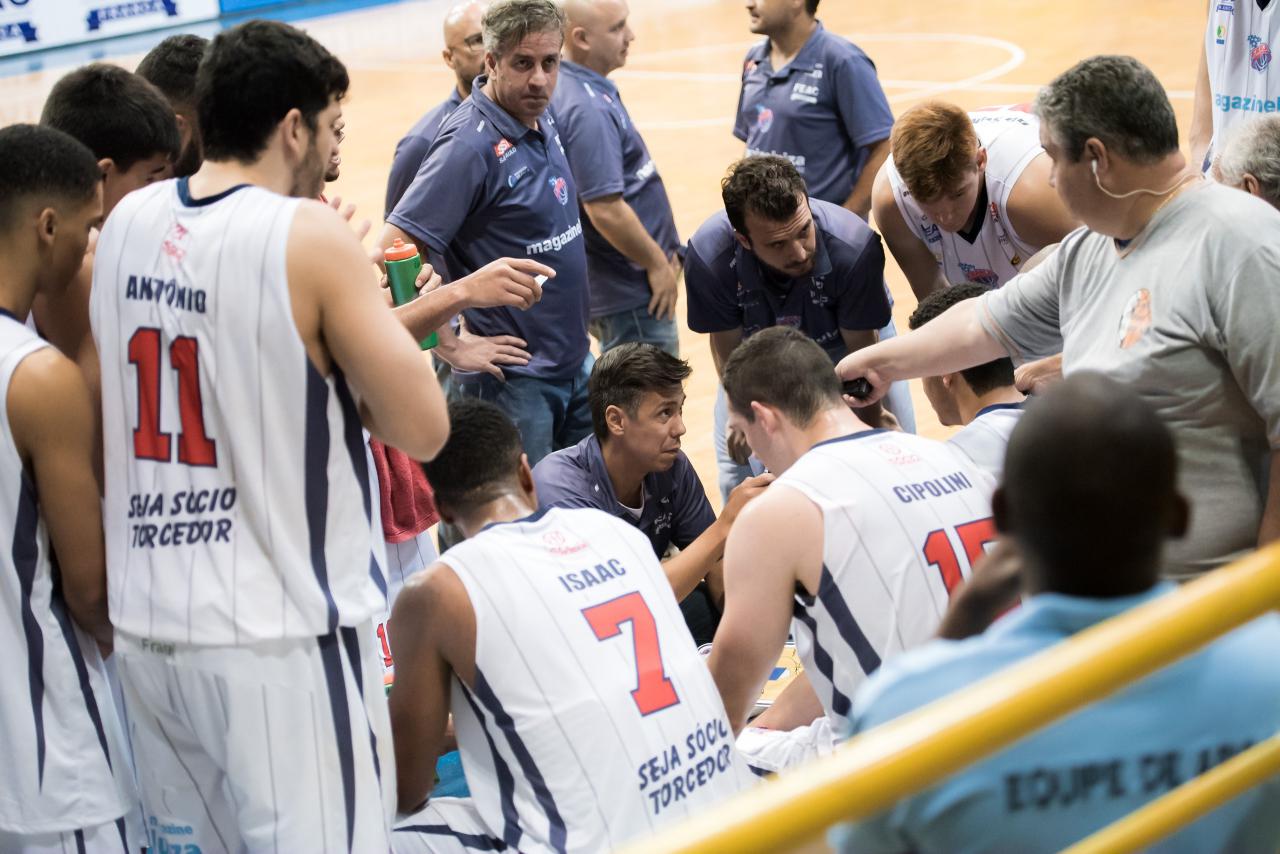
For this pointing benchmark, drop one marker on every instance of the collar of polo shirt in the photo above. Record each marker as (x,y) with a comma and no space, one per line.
(507,124)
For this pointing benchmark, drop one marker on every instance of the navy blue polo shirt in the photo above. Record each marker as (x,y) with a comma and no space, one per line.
(609,157)
(676,509)
(822,111)
(412,149)
(492,188)
(729,288)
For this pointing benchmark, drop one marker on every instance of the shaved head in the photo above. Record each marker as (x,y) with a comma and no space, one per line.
(598,35)
(464,42)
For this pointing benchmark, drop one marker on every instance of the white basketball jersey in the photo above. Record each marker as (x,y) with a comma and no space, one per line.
(64,765)
(593,719)
(238,499)
(904,518)
(1012,140)
(984,440)
(1238,49)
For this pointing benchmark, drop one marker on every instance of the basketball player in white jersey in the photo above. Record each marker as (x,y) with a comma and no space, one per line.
(965,197)
(1234,82)
(64,778)
(854,548)
(584,715)
(243,341)
(983,399)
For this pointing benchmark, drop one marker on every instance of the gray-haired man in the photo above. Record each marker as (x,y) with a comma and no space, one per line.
(1165,289)
(1250,160)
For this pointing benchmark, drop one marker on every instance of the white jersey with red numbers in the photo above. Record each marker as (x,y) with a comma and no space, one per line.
(238,499)
(64,765)
(992,257)
(593,719)
(1238,46)
(904,518)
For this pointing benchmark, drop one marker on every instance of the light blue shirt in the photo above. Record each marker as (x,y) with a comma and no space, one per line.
(1094,767)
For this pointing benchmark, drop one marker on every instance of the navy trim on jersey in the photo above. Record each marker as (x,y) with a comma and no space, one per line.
(124,837)
(473,841)
(315,454)
(351,640)
(759,772)
(511,830)
(840,704)
(532,517)
(353,435)
(4,312)
(846,625)
(184,194)
(26,553)
(997,406)
(860,434)
(59,608)
(527,765)
(79,836)
(331,656)
(979,214)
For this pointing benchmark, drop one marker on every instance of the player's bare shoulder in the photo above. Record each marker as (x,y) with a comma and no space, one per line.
(47,397)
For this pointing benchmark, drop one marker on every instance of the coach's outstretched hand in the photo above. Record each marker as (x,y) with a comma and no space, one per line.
(505,282)
(854,366)
(743,493)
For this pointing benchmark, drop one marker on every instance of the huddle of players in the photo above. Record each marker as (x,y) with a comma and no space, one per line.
(203,646)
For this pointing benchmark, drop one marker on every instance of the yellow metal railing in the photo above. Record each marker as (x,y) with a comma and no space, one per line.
(876,769)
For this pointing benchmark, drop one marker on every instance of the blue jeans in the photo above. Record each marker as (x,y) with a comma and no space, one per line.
(635,324)
(550,414)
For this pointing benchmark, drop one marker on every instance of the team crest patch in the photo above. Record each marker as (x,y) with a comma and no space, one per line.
(1135,320)
(764,118)
(749,66)
(559,544)
(980,275)
(560,187)
(503,149)
(1259,54)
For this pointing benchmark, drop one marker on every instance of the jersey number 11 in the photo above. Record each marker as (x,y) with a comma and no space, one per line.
(195,448)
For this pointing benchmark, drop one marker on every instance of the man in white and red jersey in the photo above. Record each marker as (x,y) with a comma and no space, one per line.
(855,548)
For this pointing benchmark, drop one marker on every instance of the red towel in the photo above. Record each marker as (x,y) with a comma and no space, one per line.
(408,503)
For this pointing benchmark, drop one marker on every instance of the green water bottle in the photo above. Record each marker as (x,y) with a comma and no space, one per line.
(403,266)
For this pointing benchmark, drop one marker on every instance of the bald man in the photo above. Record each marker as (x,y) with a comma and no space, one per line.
(464,53)
(633,265)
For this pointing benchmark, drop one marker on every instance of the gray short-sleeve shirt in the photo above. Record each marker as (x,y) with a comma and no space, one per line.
(1187,314)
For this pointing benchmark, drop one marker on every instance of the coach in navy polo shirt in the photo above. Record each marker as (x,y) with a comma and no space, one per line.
(814,98)
(632,468)
(774,257)
(632,246)
(497,183)
(464,53)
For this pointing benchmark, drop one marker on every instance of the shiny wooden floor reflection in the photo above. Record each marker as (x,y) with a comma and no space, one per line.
(681,88)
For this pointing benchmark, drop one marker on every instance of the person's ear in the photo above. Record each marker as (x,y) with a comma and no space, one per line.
(490,63)
(765,416)
(292,132)
(616,420)
(46,227)
(743,240)
(524,475)
(981,161)
(578,37)
(1250,185)
(107,165)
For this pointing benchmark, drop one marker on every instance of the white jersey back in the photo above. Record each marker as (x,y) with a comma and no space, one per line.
(238,498)
(1238,49)
(904,518)
(984,440)
(593,719)
(1012,140)
(64,766)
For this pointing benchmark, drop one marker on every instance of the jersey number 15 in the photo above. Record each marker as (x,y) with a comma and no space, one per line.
(938,550)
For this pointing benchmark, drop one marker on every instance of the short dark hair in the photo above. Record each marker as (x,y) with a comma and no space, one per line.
(43,164)
(781,367)
(1090,484)
(995,374)
(480,458)
(766,184)
(115,112)
(624,374)
(811,6)
(171,67)
(251,76)
(1115,99)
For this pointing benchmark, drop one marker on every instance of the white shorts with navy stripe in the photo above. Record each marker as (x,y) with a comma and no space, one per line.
(109,838)
(444,826)
(278,746)
(769,751)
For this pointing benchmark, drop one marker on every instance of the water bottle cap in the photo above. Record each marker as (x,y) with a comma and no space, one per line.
(400,251)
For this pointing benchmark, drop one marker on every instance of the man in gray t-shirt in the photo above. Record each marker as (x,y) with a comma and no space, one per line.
(1170,289)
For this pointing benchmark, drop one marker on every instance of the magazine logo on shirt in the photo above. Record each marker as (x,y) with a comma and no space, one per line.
(503,149)
(560,187)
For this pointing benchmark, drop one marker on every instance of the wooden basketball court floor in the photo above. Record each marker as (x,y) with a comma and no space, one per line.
(681,87)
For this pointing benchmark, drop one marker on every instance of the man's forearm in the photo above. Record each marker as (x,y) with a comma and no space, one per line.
(619,225)
(703,556)
(431,311)
(954,341)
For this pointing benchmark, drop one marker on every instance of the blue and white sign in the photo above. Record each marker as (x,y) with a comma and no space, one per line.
(27,25)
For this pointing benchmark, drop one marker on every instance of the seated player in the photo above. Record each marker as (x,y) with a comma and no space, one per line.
(171,67)
(584,714)
(1093,446)
(982,398)
(854,548)
(632,467)
(965,197)
(1250,160)
(64,777)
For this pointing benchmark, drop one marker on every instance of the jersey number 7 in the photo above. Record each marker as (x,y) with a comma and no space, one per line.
(654,691)
(195,448)
(938,550)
